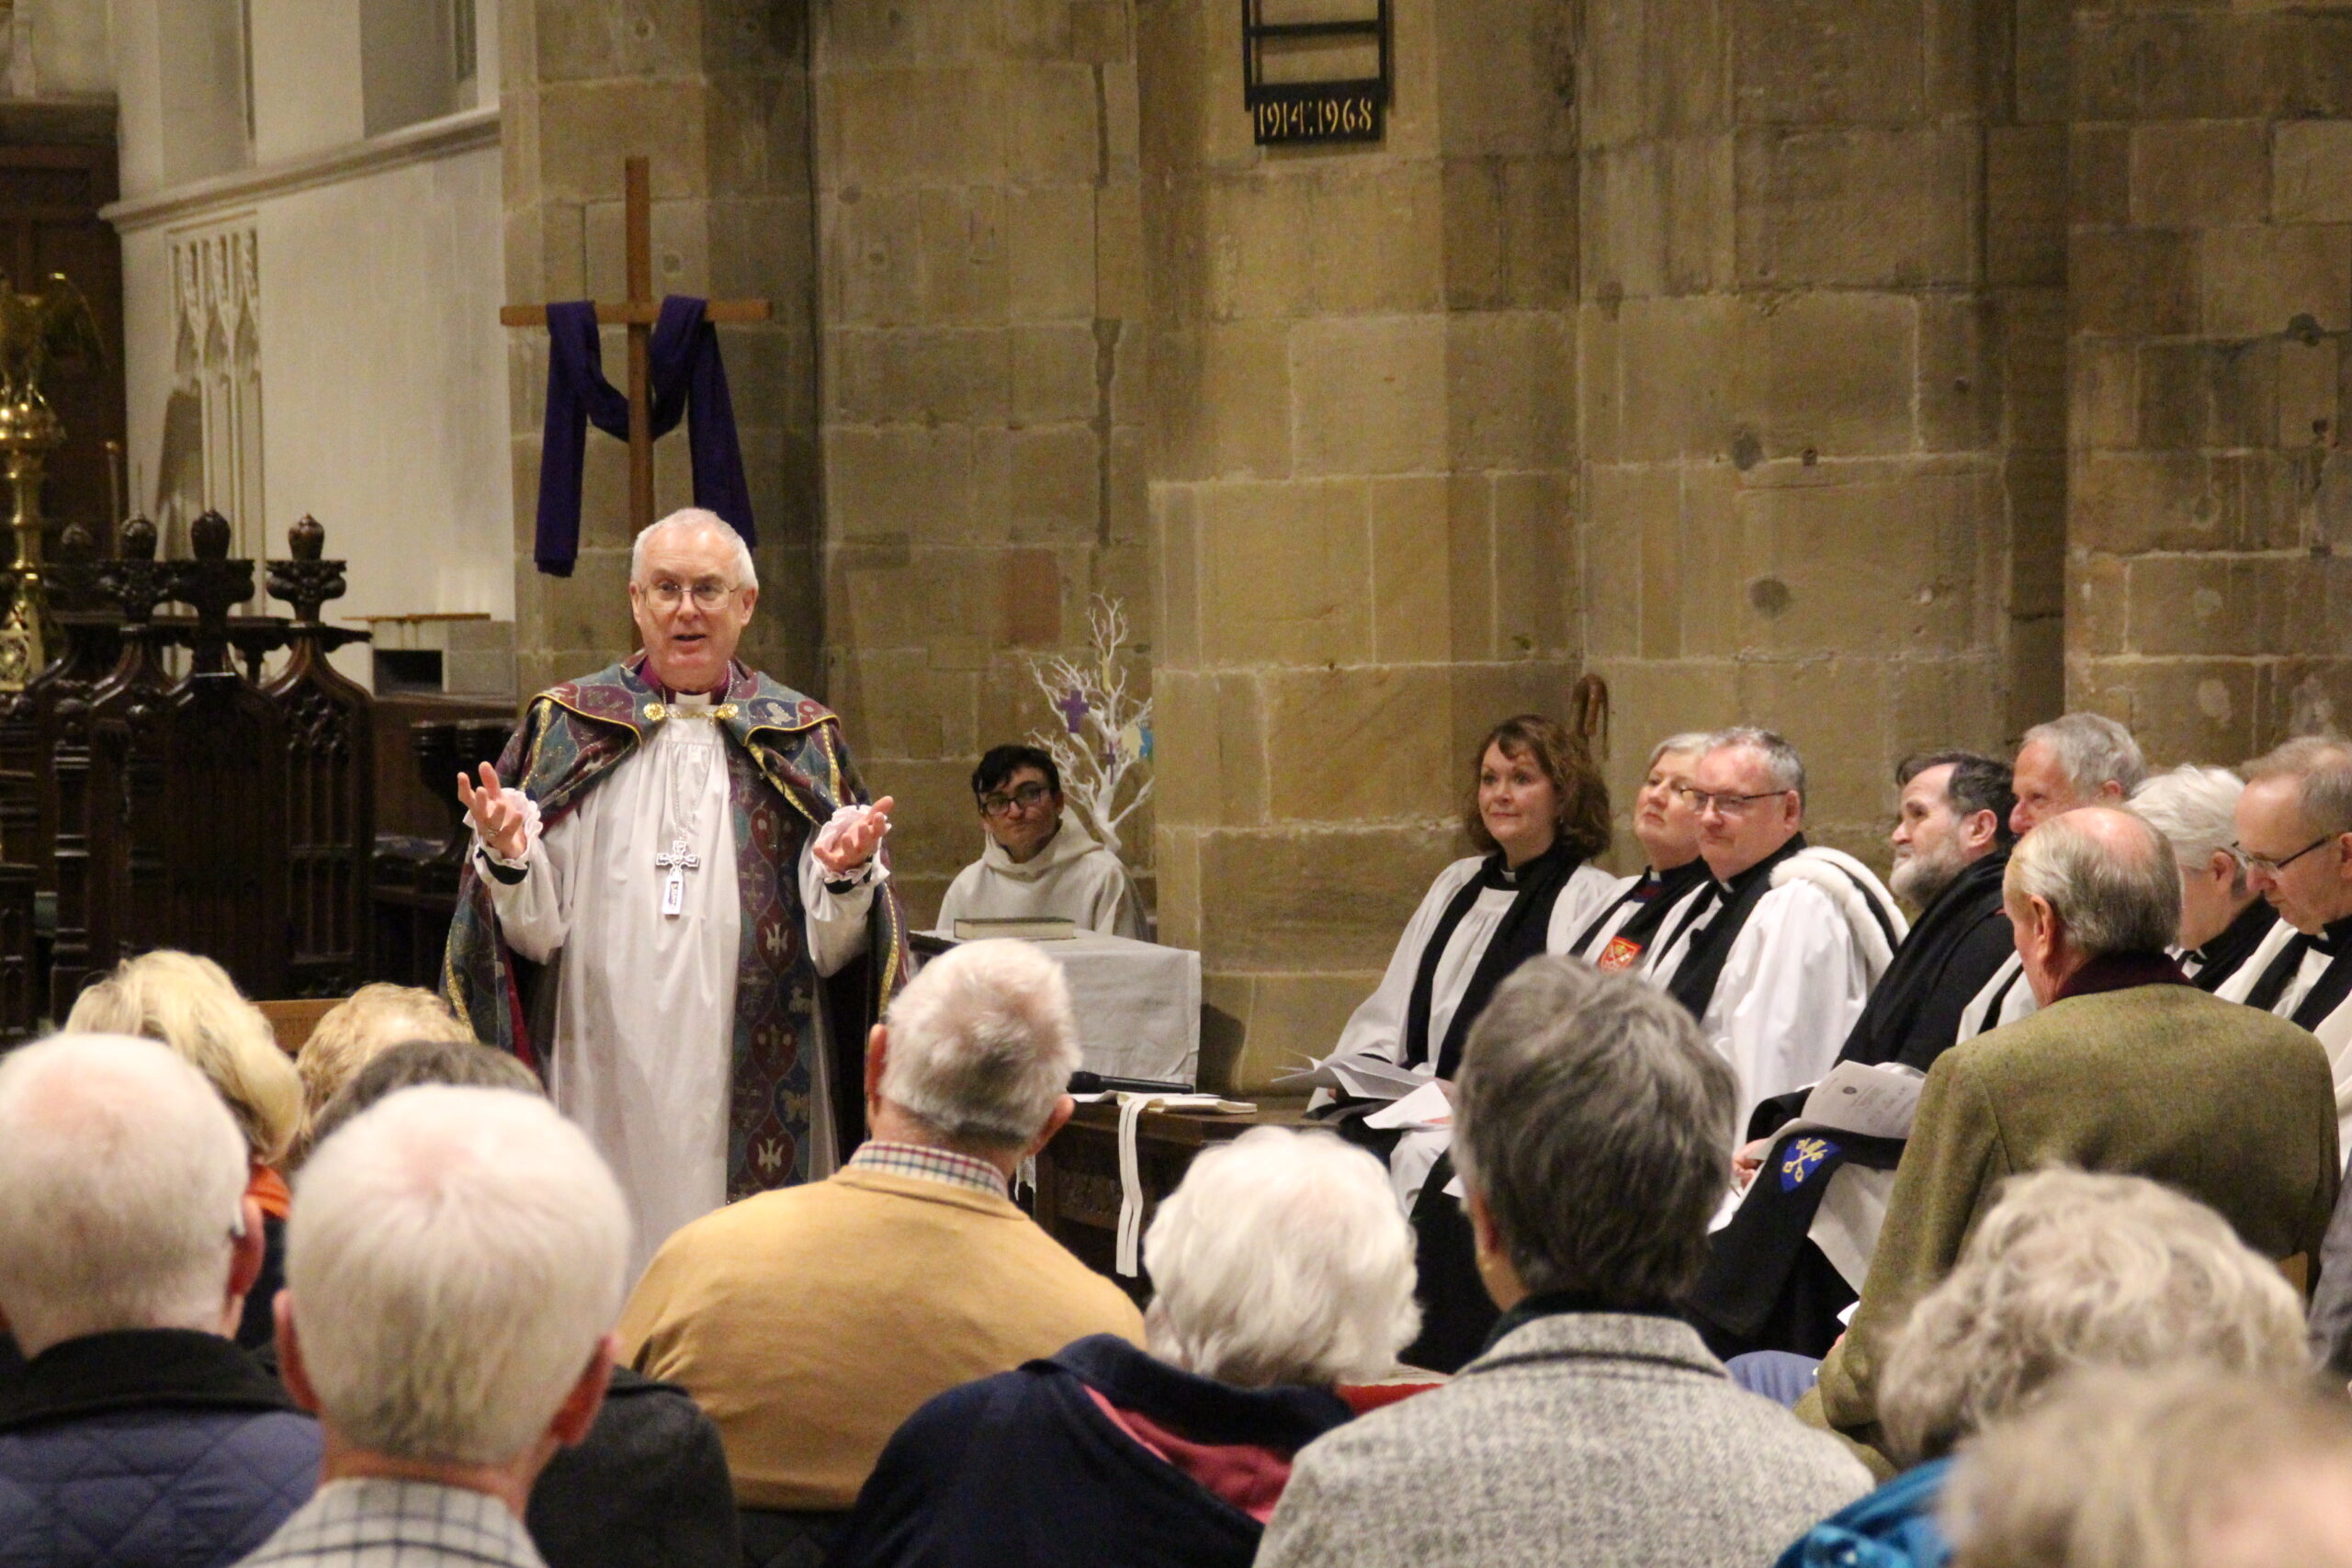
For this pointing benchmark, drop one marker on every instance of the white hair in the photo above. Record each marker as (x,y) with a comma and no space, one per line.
(2072,1270)
(2195,809)
(2110,898)
(1282,1258)
(122,1176)
(1782,763)
(2323,765)
(2093,751)
(695,517)
(454,1258)
(1691,742)
(982,1043)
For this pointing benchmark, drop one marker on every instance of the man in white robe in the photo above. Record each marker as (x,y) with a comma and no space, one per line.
(1778,966)
(690,845)
(1038,861)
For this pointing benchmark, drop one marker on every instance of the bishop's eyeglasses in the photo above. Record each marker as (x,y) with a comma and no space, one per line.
(708,594)
(1001,804)
(2269,867)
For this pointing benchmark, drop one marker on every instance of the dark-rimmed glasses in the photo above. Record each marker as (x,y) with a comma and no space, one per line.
(1001,804)
(1729,804)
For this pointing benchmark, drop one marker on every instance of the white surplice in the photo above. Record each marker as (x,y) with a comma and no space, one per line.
(645,1011)
(2334,1031)
(1377,1026)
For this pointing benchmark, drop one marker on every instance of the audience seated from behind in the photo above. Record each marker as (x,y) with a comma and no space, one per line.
(648,1486)
(1595,1425)
(2068,1271)
(452,1273)
(139,1434)
(2124,1068)
(1280,1267)
(347,1035)
(190,1004)
(2185,1469)
(1038,861)
(812,1321)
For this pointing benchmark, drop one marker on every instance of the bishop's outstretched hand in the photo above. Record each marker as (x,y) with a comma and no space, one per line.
(498,820)
(856,843)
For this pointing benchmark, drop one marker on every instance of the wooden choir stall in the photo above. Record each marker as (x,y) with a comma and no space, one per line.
(182,775)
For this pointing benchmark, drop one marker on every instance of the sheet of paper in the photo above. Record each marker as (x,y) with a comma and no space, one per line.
(1365,1076)
(1871,1103)
(1425,1106)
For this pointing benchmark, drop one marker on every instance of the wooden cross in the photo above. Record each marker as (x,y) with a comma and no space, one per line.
(638,312)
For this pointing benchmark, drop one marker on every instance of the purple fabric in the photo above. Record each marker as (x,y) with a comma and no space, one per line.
(687,378)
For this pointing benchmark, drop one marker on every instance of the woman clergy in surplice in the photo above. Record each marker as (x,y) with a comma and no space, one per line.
(1539,813)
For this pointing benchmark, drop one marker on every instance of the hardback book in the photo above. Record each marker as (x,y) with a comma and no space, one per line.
(1030,928)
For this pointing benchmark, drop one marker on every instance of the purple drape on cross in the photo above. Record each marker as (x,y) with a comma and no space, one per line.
(687,377)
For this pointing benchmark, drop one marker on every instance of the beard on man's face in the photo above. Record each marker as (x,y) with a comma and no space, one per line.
(1920,879)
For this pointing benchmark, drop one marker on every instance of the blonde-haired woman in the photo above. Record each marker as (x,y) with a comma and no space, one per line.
(190,1004)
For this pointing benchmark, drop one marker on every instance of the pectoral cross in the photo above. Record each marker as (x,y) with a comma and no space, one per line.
(638,312)
(677,861)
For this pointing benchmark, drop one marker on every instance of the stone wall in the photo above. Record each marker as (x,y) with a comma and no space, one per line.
(983,354)
(2210,289)
(716,92)
(1361,404)
(1805,372)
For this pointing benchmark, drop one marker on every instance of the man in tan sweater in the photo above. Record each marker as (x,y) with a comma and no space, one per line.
(812,1321)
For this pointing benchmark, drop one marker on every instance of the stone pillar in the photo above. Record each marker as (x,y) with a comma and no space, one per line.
(2211,287)
(982,382)
(1801,366)
(715,92)
(1362,396)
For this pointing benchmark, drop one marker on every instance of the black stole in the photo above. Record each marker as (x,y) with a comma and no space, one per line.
(2327,993)
(1693,982)
(1522,935)
(1914,1011)
(2227,953)
(1657,892)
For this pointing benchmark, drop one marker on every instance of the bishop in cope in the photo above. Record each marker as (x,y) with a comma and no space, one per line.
(676,907)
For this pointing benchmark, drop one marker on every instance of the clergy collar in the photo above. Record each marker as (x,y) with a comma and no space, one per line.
(1739,881)
(2120,972)
(2335,939)
(1498,872)
(1681,879)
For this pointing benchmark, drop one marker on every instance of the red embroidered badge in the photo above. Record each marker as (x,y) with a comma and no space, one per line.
(1619,953)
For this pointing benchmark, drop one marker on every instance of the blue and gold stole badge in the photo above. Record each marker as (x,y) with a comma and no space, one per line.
(1800,1159)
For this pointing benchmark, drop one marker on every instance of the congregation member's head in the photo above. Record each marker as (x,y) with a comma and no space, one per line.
(692,589)
(454,1269)
(2196,809)
(2072,1270)
(458,1064)
(976,1055)
(1019,792)
(1663,818)
(122,1194)
(1578,1081)
(2294,828)
(1281,1258)
(2184,1468)
(2076,759)
(1953,811)
(190,1004)
(1533,785)
(1747,792)
(2093,882)
(356,1031)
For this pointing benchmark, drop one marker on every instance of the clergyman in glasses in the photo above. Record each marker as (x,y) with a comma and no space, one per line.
(1777,958)
(675,906)
(1038,861)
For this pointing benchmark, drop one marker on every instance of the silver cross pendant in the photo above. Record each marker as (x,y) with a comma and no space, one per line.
(677,862)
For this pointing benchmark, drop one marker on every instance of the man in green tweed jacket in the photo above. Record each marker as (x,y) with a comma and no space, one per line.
(2125,1068)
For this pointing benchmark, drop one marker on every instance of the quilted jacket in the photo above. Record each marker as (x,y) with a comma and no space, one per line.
(147,1449)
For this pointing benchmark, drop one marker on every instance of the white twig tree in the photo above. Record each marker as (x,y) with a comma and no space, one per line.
(1103,744)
